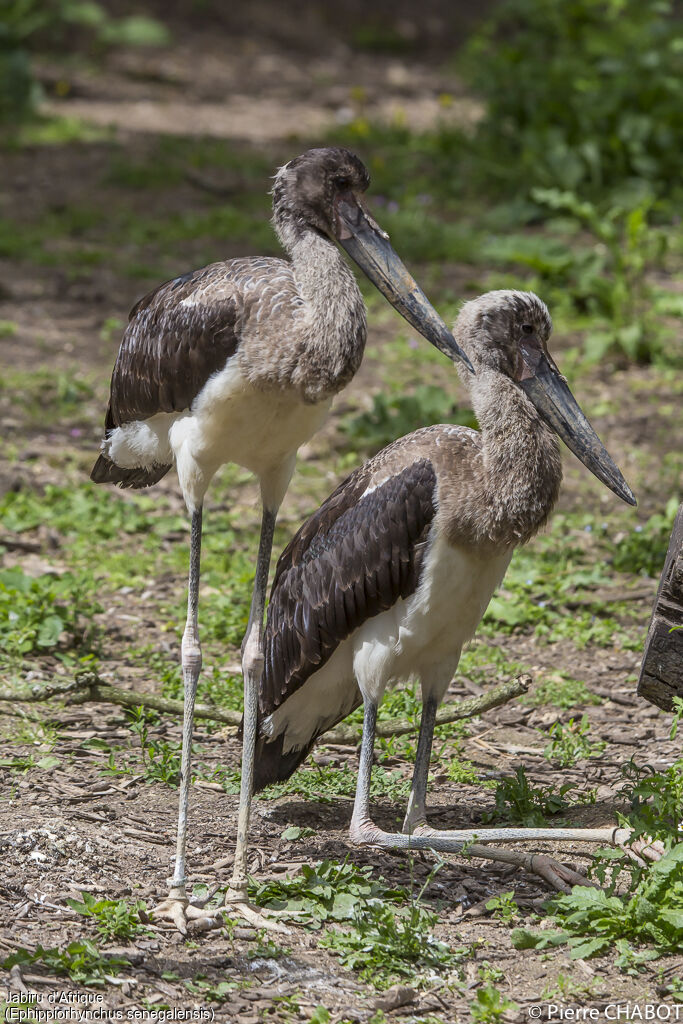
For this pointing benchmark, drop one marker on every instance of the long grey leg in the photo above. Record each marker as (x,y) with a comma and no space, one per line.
(416,813)
(191,656)
(364,831)
(362,827)
(252,668)
(176,906)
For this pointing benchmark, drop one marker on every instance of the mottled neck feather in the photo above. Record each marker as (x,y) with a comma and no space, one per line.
(520,471)
(334,325)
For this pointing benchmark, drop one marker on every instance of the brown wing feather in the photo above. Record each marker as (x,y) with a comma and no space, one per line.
(354,558)
(170,349)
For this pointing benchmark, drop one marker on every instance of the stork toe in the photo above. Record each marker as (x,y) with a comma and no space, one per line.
(561,877)
(187,917)
(238,904)
(645,850)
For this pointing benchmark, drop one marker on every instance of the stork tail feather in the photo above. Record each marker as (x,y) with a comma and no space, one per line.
(107,472)
(271,765)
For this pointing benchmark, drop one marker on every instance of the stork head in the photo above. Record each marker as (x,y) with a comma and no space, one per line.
(320,191)
(507,332)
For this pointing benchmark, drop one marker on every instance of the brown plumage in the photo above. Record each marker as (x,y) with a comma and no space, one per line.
(378,538)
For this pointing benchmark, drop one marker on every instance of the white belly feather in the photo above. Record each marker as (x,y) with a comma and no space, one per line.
(421,636)
(230,421)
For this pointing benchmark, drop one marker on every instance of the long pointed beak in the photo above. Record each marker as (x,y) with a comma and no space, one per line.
(548,390)
(369,247)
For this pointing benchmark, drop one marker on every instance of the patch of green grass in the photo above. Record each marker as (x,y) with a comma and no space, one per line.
(395,415)
(53,130)
(46,613)
(115,919)
(561,691)
(77,235)
(325,784)
(551,586)
(86,512)
(45,394)
(570,743)
(465,773)
(81,961)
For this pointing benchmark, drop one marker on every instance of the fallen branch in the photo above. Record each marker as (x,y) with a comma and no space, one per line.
(468,708)
(87,686)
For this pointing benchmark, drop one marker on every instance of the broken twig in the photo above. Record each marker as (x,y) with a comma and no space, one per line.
(87,686)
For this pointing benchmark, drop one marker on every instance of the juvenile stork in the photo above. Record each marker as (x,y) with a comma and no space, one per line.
(393,573)
(239,362)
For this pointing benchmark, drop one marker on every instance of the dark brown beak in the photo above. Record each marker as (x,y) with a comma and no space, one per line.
(547,389)
(369,247)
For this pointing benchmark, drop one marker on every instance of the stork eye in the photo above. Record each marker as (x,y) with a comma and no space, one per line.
(528,328)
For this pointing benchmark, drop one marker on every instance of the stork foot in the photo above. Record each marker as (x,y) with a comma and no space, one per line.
(188,918)
(558,875)
(644,851)
(237,902)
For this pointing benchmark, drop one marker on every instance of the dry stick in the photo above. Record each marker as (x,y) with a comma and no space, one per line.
(468,708)
(89,687)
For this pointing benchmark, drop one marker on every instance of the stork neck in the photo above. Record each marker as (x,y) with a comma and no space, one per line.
(334,328)
(320,270)
(520,456)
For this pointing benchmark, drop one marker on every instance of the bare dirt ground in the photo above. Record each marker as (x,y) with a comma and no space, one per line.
(70,829)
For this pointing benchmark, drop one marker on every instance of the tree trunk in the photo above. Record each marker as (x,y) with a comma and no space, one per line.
(661,675)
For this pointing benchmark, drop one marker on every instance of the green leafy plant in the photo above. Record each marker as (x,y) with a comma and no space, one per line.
(30,25)
(610,281)
(115,919)
(160,759)
(518,801)
(656,799)
(503,907)
(643,550)
(211,992)
(584,93)
(386,943)
(467,774)
(592,922)
(570,743)
(490,1005)
(328,891)
(41,613)
(82,961)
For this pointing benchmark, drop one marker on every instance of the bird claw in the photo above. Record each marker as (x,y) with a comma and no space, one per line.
(188,918)
(558,875)
(236,901)
(644,851)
